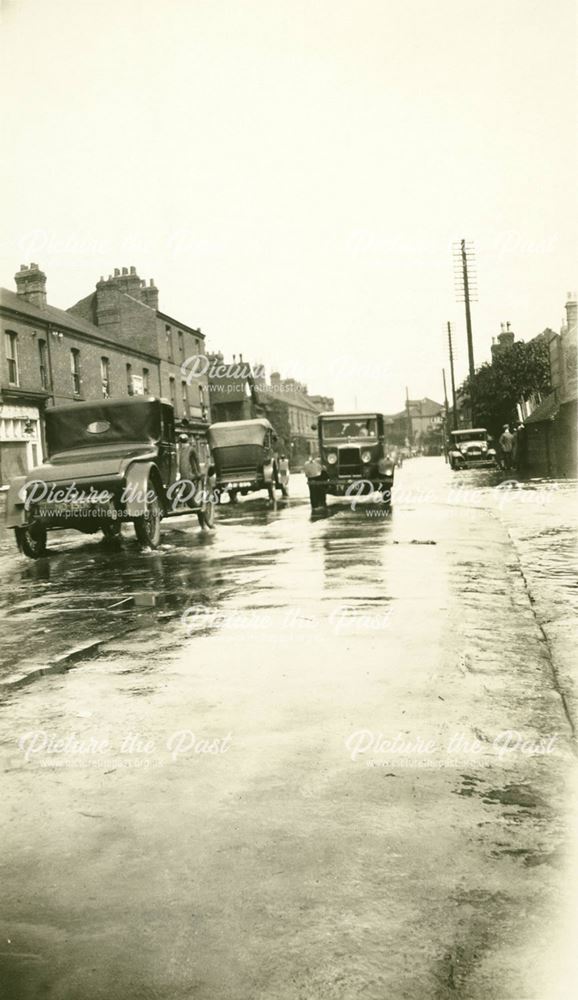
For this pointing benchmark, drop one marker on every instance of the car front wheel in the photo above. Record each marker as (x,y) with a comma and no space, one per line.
(148,526)
(31,540)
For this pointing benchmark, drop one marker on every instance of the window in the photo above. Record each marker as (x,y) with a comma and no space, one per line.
(129,385)
(75,370)
(11,343)
(173,392)
(105,376)
(145,381)
(185,398)
(43,359)
(169,340)
(181,344)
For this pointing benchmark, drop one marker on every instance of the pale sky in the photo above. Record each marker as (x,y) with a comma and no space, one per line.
(293,173)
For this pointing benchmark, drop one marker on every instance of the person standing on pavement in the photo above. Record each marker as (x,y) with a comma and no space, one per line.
(519,450)
(507,446)
(189,466)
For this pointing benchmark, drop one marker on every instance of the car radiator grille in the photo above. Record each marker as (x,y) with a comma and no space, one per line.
(350,462)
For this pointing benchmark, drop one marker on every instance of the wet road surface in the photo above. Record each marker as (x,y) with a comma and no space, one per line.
(285,771)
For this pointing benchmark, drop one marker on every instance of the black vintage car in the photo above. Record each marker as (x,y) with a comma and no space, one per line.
(353,458)
(245,458)
(108,462)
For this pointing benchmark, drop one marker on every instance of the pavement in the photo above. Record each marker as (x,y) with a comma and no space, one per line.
(333,758)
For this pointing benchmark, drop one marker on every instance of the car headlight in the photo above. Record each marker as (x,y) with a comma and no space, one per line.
(366,457)
(331,458)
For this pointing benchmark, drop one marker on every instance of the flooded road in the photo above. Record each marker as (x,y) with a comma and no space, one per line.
(254,772)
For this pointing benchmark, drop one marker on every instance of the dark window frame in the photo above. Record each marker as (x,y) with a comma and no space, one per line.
(11,351)
(75,371)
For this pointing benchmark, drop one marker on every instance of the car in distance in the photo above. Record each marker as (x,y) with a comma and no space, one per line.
(245,458)
(470,448)
(353,456)
(108,462)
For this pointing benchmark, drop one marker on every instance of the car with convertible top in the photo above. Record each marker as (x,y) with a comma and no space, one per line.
(108,462)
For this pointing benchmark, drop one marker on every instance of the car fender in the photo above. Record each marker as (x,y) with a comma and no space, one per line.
(135,487)
(15,511)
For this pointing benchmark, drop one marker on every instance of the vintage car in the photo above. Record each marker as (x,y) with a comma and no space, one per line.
(471,449)
(245,459)
(108,462)
(353,458)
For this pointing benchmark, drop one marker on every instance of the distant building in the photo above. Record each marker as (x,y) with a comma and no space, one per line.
(421,420)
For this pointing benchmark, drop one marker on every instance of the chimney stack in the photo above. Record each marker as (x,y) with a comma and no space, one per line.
(150,295)
(31,284)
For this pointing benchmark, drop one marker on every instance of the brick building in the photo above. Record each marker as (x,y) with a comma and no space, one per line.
(115,342)
(126,310)
(551,426)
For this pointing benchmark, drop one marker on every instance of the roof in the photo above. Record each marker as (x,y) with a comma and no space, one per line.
(105,404)
(60,318)
(547,409)
(46,314)
(348,415)
(420,408)
(225,424)
(293,397)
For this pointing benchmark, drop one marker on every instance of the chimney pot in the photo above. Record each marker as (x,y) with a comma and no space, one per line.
(133,270)
(116,272)
(151,282)
(23,267)
(125,270)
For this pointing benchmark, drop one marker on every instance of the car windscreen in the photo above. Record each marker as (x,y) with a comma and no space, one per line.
(69,429)
(349,427)
(473,436)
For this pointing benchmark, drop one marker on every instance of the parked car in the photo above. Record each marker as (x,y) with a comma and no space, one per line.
(471,449)
(352,450)
(245,459)
(108,462)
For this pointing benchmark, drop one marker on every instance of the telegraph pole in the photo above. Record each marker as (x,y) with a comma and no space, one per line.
(466,292)
(453,381)
(466,281)
(446,409)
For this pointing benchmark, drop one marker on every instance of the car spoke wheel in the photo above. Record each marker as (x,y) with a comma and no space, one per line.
(31,540)
(148,526)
